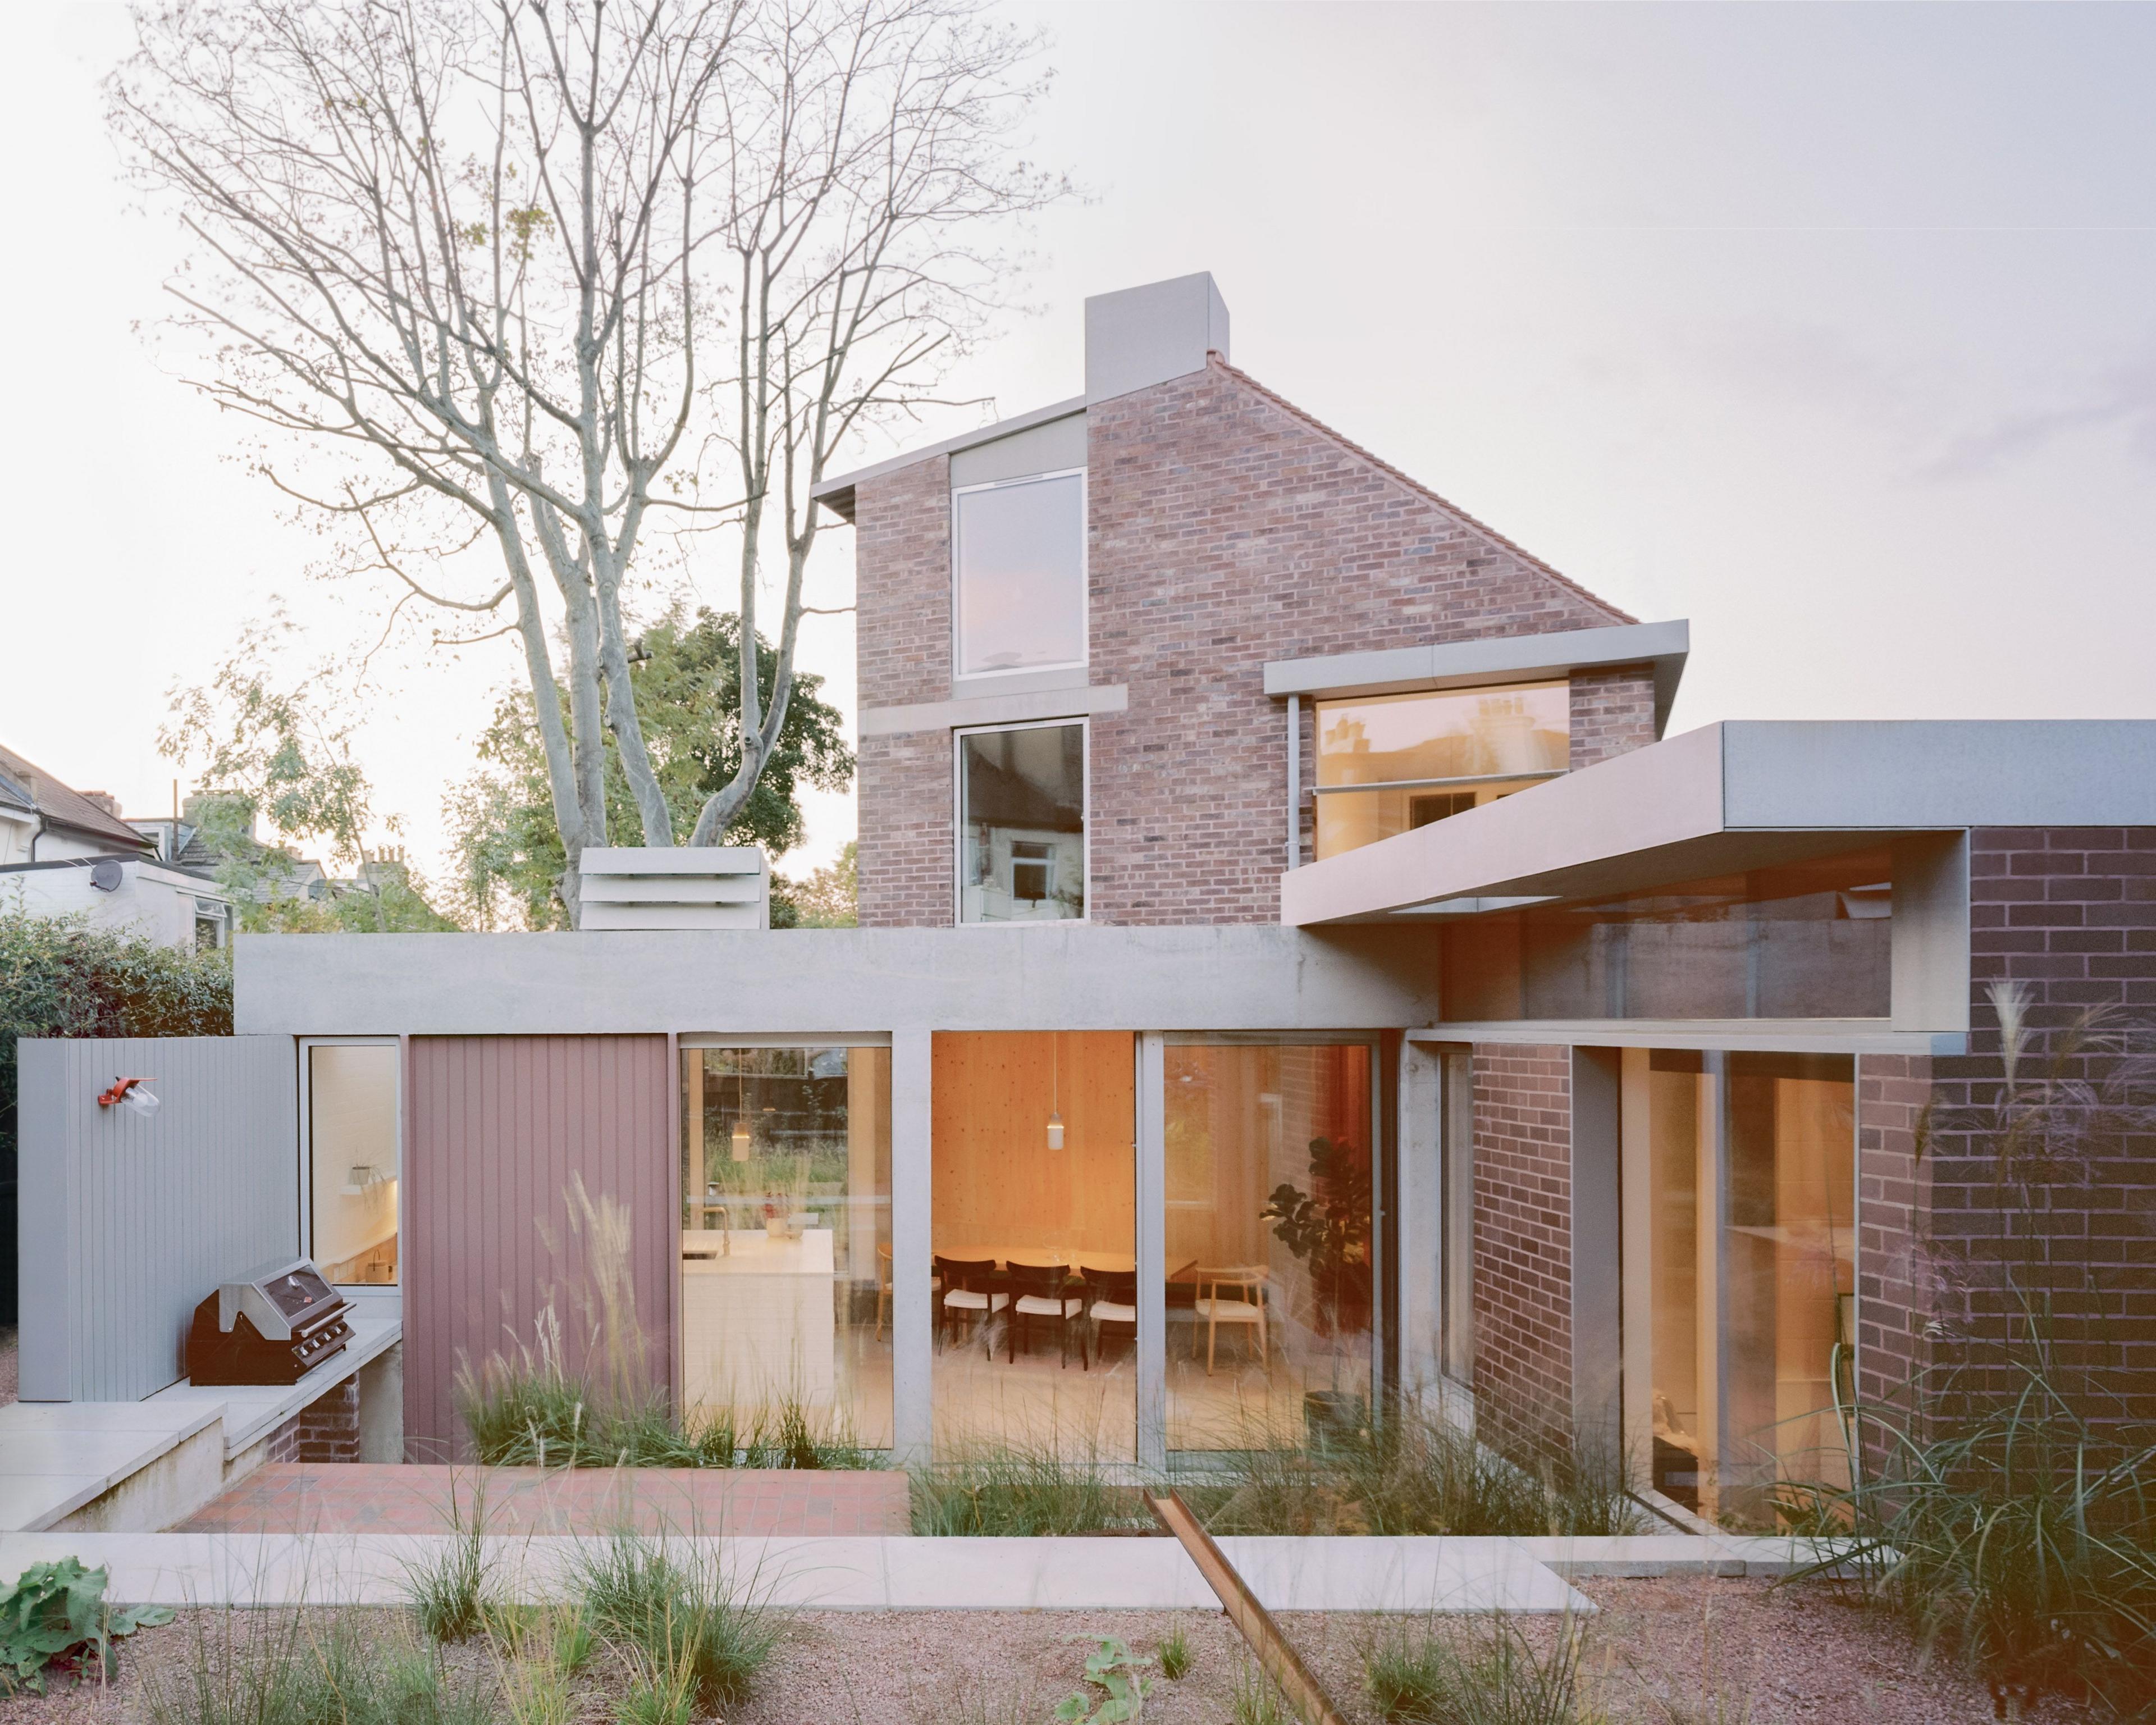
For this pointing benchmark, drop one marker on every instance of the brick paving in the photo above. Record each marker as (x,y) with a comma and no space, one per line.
(295,1497)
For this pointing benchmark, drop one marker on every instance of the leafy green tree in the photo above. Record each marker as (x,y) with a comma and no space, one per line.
(507,845)
(829,898)
(286,755)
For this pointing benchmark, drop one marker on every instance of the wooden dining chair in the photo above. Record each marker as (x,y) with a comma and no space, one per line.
(1247,1307)
(1111,1298)
(972,1293)
(1045,1292)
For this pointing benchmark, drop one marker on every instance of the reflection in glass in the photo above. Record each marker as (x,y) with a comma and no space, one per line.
(1032,1232)
(1419,748)
(1022,812)
(352,1147)
(1020,556)
(786,1236)
(1269,1241)
(1742,1404)
(1803,939)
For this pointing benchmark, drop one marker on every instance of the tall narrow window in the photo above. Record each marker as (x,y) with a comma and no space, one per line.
(1388,764)
(353,1154)
(1018,568)
(1743,1164)
(1021,825)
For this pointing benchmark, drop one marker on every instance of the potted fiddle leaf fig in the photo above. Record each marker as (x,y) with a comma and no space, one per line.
(1327,1230)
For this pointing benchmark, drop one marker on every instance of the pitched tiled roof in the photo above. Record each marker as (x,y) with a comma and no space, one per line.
(63,806)
(1420,490)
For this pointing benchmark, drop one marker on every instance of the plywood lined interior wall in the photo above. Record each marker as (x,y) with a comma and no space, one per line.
(1240,1121)
(996,1182)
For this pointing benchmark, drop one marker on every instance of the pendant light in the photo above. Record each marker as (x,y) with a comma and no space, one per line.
(741,1140)
(1055,1094)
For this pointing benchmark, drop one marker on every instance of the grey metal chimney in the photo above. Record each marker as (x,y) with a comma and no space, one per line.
(1147,334)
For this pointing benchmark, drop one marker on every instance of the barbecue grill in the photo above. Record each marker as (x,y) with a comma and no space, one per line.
(274,1325)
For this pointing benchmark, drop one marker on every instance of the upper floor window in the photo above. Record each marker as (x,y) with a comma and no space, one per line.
(1387,764)
(1022,823)
(1018,575)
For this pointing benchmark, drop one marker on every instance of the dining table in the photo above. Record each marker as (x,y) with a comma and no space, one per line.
(1059,1257)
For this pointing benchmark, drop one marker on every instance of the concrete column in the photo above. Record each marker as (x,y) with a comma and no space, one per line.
(1420,1208)
(912,1330)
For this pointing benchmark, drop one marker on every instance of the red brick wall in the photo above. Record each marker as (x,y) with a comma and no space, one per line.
(902,553)
(1612,711)
(2069,913)
(1523,1247)
(1893,1296)
(1225,529)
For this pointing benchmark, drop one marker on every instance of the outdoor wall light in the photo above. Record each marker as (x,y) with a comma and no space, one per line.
(1056,1132)
(1055,1094)
(128,1093)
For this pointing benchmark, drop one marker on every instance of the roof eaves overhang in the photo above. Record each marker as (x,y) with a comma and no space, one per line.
(1734,796)
(1461,664)
(837,493)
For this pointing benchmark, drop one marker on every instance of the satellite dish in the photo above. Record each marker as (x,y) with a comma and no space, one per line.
(106,874)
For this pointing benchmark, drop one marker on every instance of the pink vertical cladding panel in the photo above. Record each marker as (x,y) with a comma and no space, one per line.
(525,1156)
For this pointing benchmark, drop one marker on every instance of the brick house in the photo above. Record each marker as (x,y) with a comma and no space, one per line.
(1295,970)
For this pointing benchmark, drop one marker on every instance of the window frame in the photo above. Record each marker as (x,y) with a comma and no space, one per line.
(1085,576)
(306,1149)
(958,736)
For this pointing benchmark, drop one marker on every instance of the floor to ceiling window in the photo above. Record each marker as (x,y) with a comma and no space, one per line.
(1740,1253)
(1269,1242)
(786,1255)
(1034,1202)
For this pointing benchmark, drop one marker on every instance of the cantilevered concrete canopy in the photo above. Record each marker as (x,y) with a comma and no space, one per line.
(1733,796)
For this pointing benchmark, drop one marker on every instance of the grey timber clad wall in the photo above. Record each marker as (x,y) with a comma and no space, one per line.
(500,1131)
(128,1222)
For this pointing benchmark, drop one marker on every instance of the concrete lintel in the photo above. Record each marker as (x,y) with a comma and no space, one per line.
(1017,707)
(1460,664)
(1789,1035)
(1060,975)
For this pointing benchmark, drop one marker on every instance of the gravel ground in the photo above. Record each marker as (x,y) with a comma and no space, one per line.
(8,1363)
(1680,1651)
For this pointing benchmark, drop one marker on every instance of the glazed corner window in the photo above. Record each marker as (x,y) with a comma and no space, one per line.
(1018,563)
(1021,825)
(1387,764)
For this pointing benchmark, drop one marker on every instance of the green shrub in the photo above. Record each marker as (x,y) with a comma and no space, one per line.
(454,1591)
(1408,1472)
(247,1667)
(1434,1676)
(681,1624)
(1175,1654)
(1022,1492)
(56,1615)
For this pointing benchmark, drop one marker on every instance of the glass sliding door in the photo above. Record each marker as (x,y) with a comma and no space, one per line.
(1740,1188)
(352,1161)
(1033,1206)
(1269,1240)
(786,1257)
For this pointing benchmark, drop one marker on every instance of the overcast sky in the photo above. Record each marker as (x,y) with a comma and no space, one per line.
(1831,328)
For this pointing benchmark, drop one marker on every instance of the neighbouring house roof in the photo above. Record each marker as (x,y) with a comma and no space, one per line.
(63,806)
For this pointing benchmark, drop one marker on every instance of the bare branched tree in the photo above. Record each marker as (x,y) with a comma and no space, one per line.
(472,266)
